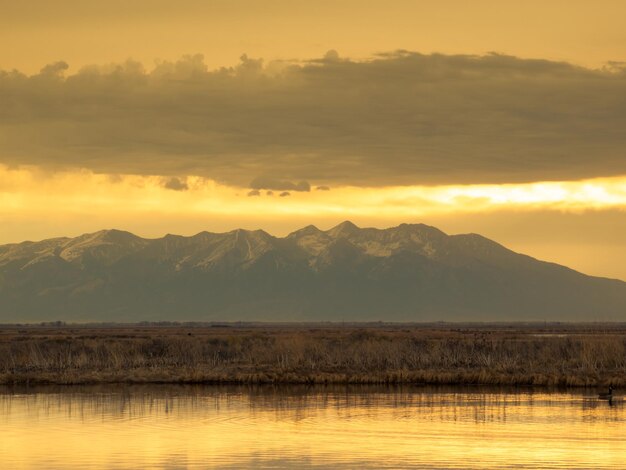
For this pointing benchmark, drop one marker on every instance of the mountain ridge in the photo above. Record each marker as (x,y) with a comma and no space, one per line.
(411,272)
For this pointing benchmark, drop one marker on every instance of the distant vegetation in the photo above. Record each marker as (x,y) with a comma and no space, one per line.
(567,356)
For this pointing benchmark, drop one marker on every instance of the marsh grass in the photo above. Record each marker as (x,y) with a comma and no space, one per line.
(522,356)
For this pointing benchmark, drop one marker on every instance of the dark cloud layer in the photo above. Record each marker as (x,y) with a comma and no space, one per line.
(400,118)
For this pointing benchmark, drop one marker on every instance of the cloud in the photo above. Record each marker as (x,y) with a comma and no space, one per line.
(262,182)
(322,188)
(269,193)
(399,118)
(285,194)
(55,69)
(254,192)
(176,184)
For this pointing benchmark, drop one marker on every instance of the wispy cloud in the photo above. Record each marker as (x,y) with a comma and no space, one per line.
(175,184)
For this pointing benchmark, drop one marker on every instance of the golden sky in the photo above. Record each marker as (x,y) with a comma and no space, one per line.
(501,118)
(85,32)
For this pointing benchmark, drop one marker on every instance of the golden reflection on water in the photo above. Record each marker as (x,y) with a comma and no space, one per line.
(285,427)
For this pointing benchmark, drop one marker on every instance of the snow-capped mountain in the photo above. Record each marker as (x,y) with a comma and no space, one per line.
(404,273)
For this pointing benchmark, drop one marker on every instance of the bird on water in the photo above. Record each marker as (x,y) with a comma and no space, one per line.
(606,396)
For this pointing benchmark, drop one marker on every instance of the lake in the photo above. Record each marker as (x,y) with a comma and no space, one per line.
(166,426)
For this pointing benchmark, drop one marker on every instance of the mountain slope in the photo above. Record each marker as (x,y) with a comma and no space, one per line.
(405,273)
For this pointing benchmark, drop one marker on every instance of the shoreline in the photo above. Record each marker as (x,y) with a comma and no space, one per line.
(451,379)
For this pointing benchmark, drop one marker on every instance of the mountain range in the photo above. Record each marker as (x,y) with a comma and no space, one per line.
(406,273)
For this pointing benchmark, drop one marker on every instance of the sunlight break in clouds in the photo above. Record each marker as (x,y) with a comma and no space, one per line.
(30,191)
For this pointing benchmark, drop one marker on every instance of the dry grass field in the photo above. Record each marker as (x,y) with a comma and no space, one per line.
(558,354)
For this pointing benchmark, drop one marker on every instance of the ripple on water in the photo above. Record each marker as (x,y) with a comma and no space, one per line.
(299,427)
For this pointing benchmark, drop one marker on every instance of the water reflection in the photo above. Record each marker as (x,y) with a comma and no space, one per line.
(295,427)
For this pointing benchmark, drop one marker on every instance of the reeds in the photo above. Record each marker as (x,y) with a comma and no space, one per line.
(325,355)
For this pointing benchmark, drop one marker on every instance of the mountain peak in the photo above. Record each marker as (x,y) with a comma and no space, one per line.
(241,233)
(345,228)
(305,231)
(422,228)
(113,236)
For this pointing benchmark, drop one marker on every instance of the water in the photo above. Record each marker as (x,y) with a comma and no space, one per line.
(287,427)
